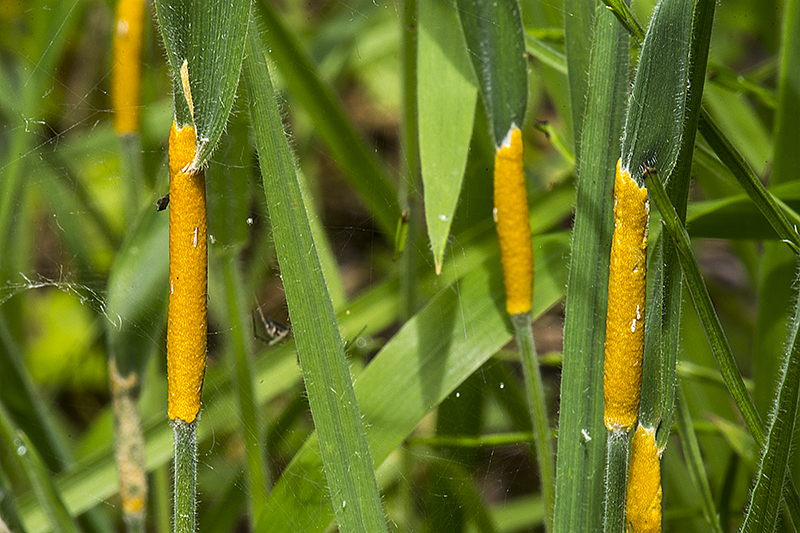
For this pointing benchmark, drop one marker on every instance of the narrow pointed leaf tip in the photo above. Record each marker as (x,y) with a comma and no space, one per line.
(188,278)
(643,503)
(126,71)
(624,346)
(513,225)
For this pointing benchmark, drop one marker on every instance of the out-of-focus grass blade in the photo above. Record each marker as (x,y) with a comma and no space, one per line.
(37,473)
(136,293)
(655,120)
(545,53)
(578,44)
(459,329)
(658,386)
(694,460)
(206,38)
(737,217)
(228,192)
(496,43)
(582,434)
(348,466)
(348,149)
(744,174)
(765,501)
(447,94)
(27,407)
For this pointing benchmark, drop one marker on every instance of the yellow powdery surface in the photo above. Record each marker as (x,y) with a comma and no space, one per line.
(513,226)
(188,278)
(643,503)
(126,66)
(624,345)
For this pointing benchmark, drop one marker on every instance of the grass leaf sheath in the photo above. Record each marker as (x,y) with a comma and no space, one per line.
(188,278)
(622,378)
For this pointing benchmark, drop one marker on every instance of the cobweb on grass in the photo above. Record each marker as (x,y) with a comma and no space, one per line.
(72,151)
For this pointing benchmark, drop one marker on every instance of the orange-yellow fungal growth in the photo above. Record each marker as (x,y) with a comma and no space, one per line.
(622,379)
(513,227)
(126,70)
(643,502)
(188,278)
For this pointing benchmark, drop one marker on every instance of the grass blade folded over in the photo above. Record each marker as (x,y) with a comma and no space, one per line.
(582,435)
(447,93)
(207,40)
(496,43)
(348,466)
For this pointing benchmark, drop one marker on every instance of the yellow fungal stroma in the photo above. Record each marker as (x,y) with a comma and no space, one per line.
(643,503)
(126,68)
(626,295)
(188,274)
(513,227)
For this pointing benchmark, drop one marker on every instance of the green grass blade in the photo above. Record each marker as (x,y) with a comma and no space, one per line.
(659,394)
(578,44)
(348,467)
(208,38)
(353,157)
(581,460)
(495,39)
(694,460)
(744,174)
(786,157)
(434,352)
(705,310)
(765,501)
(37,473)
(655,120)
(447,93)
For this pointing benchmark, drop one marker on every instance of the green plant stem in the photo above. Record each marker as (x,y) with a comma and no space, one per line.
(616,481)
(408,194)
(185,482)
(538,408)
(466,441)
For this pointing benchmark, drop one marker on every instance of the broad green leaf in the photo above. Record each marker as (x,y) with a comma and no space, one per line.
(446,98)
(434,352)
(496,43)
(206,42)
(582,433)
(348,467)
(655,120)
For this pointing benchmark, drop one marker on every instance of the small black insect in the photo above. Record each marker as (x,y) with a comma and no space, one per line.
(162,202)
(276,331)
